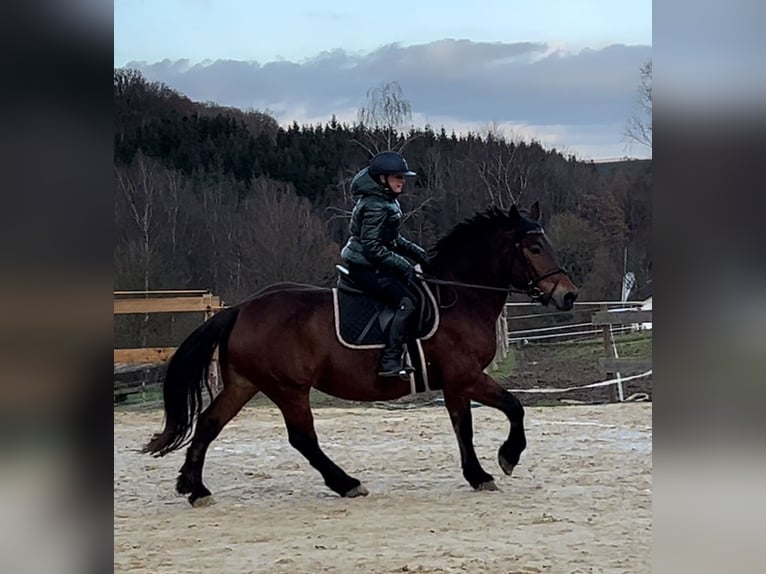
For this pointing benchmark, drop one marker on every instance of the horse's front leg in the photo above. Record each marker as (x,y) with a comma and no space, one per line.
(459,408)
(487,392)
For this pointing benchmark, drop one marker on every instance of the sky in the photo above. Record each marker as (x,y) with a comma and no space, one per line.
(564,73)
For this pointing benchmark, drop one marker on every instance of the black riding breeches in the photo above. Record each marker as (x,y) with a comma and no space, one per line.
(386,287)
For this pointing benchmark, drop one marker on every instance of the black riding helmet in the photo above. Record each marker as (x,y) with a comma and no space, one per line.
(388,163)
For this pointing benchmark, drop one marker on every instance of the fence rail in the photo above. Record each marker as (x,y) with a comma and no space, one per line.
(621,318)
(190,303)
(136,369)
(587,320)
(627,318)
(612,365)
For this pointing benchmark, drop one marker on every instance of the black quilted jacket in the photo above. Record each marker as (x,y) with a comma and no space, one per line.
(375,221)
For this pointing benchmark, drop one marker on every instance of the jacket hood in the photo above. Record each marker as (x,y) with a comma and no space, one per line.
(363,184)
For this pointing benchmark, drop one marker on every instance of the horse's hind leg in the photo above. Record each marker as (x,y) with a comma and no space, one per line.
(236,392)
(302,435)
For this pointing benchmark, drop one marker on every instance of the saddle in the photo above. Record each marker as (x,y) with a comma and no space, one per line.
(361,322)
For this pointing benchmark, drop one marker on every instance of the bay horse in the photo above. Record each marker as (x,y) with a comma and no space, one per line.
(282,342)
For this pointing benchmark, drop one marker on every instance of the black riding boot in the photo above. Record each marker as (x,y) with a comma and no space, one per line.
(392,361)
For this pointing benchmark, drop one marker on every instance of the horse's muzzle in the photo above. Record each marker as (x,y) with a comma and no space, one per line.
(564,298)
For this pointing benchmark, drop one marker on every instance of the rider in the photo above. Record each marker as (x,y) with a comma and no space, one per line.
(374,251)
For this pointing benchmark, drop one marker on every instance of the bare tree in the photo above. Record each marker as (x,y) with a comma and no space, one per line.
(639,127)
(282,238)
(136,187)
(136,200)
(503,175)
(215,234)
(387,115)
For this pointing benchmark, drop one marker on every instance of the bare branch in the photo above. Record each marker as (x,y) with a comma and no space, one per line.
(372,151)
(385,118)
(419,208)
(639,126)
(339,214)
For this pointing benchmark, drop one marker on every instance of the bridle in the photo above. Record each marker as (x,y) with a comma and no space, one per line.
(532,290)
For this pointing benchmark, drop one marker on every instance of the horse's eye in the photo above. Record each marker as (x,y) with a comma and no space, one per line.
(535,250)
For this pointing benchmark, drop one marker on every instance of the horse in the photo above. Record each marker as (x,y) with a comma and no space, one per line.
(282,342)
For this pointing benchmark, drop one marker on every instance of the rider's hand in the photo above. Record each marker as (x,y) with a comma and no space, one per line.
(409,275)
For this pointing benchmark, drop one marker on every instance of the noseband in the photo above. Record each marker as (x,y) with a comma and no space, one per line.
(531,289)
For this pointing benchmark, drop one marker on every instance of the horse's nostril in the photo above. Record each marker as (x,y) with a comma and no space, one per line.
(569,298)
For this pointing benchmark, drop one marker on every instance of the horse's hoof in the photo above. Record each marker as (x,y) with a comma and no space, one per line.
(184,484)
(505,465)
(487,486)
(207,500)
(357,491)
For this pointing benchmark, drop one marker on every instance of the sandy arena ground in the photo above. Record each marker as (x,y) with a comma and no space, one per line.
(580,502)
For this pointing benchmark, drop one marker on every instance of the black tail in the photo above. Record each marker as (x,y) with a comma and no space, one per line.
(186,375)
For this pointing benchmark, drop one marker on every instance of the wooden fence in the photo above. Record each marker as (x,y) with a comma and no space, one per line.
(611,365)
(589,323)
(133,367)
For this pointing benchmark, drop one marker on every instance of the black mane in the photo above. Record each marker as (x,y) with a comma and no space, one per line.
(490,219)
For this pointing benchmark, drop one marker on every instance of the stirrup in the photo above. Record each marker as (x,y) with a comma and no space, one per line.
(402,372)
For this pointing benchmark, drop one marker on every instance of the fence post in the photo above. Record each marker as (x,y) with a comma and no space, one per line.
(213,379)
(501,341)
(609,354)
(504,332)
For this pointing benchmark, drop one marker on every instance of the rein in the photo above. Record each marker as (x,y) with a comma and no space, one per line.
(531,286)
(435,281)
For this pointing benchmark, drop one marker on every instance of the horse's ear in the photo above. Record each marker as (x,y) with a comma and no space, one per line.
(534,212)
(514,214)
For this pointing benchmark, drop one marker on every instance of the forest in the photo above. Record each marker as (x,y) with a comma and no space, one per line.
(218,198)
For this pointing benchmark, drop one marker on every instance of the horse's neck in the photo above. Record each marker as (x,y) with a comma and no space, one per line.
(482,305)
(475,268)
(477,304)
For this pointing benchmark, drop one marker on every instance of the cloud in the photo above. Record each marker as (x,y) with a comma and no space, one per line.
(473,83)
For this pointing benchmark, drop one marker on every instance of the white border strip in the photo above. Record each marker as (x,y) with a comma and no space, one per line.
(336,320)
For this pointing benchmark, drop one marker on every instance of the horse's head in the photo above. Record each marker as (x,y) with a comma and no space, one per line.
(533,264)
(497,248)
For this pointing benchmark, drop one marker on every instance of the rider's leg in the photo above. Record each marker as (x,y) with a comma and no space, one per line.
(392,360)
(392,291)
